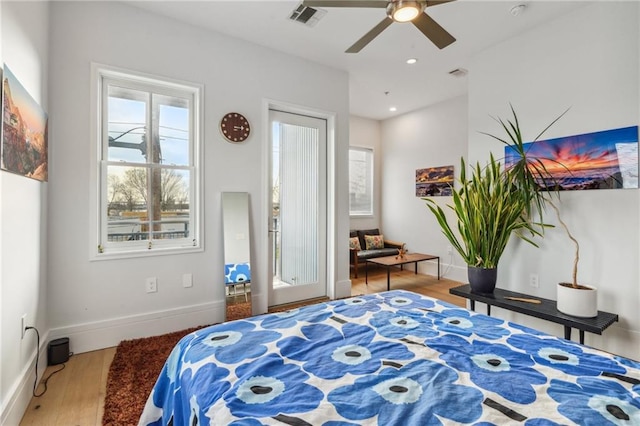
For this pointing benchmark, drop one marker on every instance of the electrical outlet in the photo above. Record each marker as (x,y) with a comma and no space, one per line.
(187,280)
(152,285)
(533,280)
(23,325)
(449,250)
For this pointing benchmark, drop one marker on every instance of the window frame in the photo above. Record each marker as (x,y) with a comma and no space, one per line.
(102,78)
(371,177)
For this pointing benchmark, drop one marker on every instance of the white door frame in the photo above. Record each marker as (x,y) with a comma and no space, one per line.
(263,240)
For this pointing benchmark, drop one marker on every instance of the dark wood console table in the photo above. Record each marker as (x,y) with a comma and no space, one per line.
(546,310)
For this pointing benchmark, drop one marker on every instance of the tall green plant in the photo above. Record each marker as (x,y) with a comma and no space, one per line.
(489,207)
(526,186)
(528,172)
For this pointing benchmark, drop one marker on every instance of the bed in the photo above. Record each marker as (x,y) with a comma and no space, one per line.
(390,358)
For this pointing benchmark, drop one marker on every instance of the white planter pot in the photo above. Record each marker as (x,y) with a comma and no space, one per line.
(579,302)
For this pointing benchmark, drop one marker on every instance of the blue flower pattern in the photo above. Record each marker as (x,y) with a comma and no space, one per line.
(565,356)
(406,355)
(402,324)
(407,300)
(288,319)
(356,307)
(230,343)
(594,401)
(349,350)
(492,366)
(270,388)
(417,393)
(465,323)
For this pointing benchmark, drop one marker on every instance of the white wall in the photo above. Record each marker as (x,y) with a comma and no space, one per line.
(101,302)
(365,133)
(595,73)
(565,63)
(23,219)
(430,137)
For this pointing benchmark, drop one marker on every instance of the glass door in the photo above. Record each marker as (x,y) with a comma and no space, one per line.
(298,207)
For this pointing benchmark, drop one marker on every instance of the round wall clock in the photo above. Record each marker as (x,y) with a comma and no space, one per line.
(235,127)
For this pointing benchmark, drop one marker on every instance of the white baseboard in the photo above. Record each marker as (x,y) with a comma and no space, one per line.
(20,393)
(104,334)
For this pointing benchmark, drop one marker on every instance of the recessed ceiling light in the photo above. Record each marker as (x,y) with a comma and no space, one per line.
(393,109)
(412,61)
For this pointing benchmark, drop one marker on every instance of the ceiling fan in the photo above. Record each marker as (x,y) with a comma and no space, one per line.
(397,11)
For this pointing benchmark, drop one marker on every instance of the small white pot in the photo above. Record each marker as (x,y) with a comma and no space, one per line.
(579,302)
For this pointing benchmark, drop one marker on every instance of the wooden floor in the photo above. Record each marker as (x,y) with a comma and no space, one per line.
(75,396)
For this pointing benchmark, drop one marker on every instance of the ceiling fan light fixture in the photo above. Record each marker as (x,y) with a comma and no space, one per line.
(404,11)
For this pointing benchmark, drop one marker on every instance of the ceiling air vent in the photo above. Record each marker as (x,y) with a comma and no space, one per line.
(307,15)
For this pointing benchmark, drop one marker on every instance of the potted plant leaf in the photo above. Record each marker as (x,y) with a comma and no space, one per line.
(489,207)
(532,176)
(497,202)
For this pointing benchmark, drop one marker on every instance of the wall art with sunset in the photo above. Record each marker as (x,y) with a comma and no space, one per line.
(601,160)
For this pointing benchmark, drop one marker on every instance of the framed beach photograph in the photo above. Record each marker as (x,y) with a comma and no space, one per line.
(601,160)
(434,181)
(24,131)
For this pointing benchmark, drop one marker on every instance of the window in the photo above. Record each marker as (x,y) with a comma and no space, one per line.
(360,182)
(148,174)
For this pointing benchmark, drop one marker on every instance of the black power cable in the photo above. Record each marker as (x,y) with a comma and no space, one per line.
(44,382)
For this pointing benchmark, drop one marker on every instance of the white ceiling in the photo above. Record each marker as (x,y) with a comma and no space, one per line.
(380,67)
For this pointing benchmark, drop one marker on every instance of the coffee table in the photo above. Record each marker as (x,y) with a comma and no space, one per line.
(390,261)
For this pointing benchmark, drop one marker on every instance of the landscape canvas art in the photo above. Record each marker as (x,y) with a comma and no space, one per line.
(601,160)
(434,181)
(24,131)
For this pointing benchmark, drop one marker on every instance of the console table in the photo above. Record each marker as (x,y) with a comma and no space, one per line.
(546,310)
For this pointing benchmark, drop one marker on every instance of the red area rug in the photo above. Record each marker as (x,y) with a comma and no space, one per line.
(133,372)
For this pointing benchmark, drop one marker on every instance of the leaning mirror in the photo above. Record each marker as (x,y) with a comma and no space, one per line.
(237,253)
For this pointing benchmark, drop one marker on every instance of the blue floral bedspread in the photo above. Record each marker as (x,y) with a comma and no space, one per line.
(394,358)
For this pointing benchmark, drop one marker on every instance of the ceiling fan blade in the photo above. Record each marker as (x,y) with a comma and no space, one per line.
(437,2)
(373,33)
(438,35)
(345,3)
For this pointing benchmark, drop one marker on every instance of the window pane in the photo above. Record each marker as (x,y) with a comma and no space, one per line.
(126,118)
(177,227)
(127,210)
(360,181)
(173,119)
(174,205)
(175,191)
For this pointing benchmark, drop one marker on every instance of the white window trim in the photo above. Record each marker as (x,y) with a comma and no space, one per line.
(373,184)
(98,173)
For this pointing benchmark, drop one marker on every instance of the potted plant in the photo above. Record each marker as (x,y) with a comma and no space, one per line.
(525,187)
(531,176)
(489,207)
